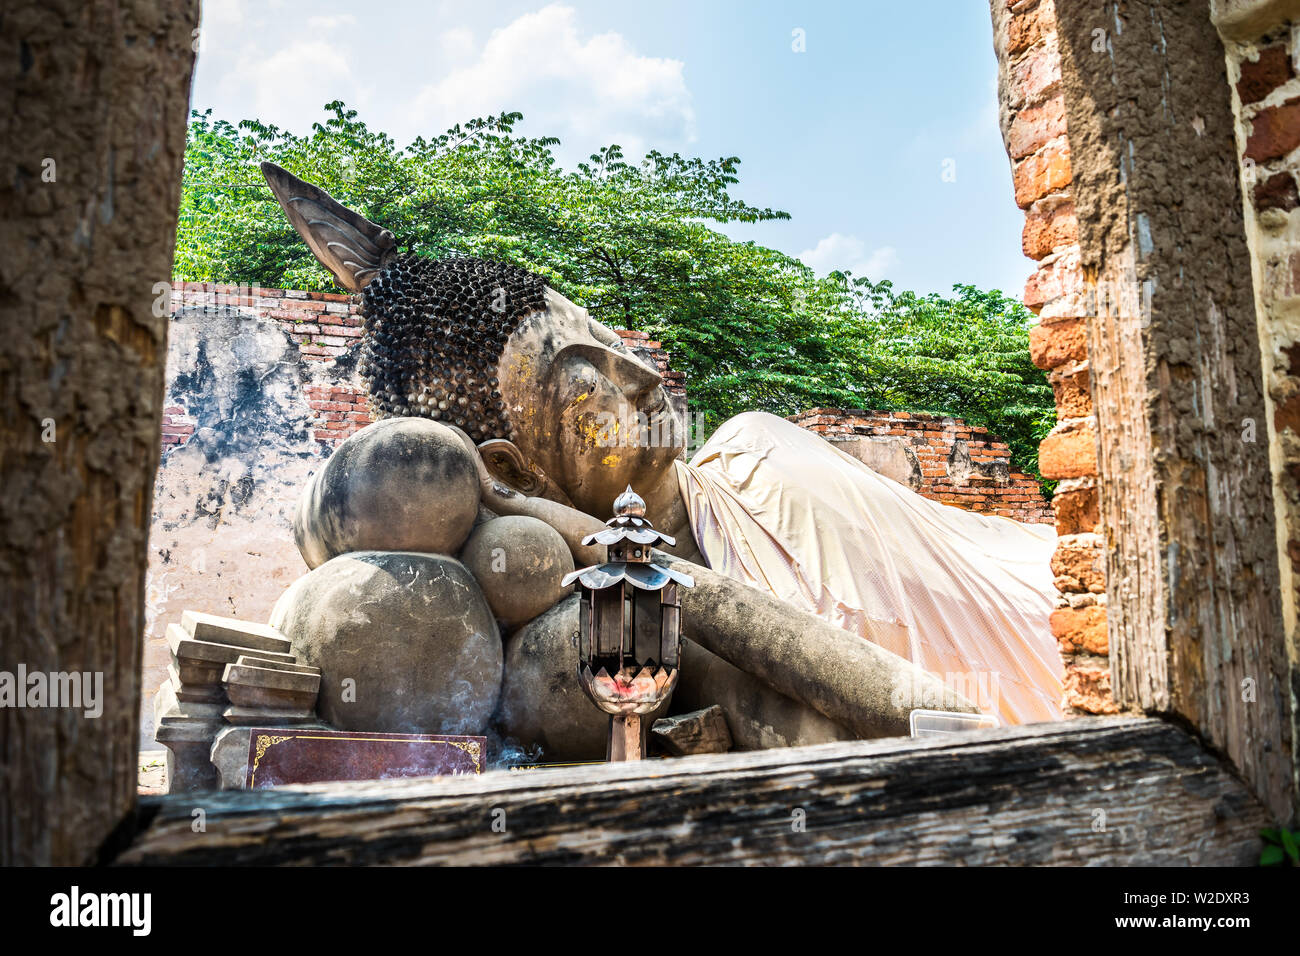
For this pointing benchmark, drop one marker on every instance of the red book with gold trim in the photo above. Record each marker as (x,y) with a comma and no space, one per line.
(283,755)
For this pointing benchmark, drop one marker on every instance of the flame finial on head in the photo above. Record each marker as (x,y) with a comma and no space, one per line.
(629,503)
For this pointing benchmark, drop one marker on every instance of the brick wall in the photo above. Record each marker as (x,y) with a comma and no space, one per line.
(324,325)
(341,410)
(1032,112)
(177,426)
(653,354)
(942,458)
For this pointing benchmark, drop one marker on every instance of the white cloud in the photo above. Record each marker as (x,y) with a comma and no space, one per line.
(456,45)
(224,13)
(332,21)
(292,83)
(838,251)
(589,90)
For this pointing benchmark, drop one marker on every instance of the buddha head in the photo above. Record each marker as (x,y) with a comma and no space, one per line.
(556,403)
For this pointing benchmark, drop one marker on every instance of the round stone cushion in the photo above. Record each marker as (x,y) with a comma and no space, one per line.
(413,635)
(542,704)
(519,563)
(401,484)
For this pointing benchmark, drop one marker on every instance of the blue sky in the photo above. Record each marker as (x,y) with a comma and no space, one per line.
(880,138)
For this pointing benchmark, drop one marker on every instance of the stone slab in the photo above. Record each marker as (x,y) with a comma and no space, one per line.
(248,695)
(256,661)
(698,732)
(229,630)
(186,648)
(270,716)
(271,678)
(196,683)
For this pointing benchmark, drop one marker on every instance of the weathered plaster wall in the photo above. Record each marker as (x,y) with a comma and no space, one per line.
(1194,615)
(260,388)
(1262,48)
(939,457)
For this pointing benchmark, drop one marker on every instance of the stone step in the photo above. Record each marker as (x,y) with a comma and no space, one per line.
(193,675)
(182,721)
(255,661)
(229,630)
(186,648)
(195,683)
(271,716)
(266,687)
(270,677)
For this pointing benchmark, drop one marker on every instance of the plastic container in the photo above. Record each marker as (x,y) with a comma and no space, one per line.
(944,723)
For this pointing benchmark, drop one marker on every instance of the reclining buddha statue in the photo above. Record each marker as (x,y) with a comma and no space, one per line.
(818,580)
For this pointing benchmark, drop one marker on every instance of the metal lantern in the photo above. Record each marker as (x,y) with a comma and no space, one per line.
(629,630)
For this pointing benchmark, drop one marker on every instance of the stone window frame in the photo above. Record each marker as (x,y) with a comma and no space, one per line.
(1191,780)
(1194,779)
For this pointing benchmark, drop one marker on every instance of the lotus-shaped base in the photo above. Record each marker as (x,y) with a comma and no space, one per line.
(629,692)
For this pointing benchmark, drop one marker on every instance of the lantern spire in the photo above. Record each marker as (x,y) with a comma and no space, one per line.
(630,538)
(629,503)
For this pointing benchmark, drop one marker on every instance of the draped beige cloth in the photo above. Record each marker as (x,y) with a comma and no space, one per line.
(965,596)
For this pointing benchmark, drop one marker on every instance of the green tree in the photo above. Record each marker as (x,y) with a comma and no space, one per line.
(634,243)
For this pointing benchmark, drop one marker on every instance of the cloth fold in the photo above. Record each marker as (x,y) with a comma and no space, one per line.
(965,596)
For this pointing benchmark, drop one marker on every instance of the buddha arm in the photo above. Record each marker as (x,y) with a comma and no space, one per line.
(857,684)
(572,524)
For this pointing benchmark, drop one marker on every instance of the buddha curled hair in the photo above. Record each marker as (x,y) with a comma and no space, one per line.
(434,334)
(434,328)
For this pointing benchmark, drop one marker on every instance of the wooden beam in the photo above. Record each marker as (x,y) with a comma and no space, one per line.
(1111,792)
(1193,608)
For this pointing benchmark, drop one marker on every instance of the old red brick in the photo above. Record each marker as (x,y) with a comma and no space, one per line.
(1055,280)
(1261,77)
(1035,75)
(1275,131)
(1029,26)
(1071,453)
(1287,415)
(1087,688)
(1076,511)
(1035,127)
(1041,175)
(1047,230)
(1277,192)
(1080,566)
(1073,394)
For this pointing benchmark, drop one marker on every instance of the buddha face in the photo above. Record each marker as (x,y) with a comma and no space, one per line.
(585,410)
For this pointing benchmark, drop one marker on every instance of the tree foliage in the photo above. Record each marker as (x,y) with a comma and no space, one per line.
(751,327)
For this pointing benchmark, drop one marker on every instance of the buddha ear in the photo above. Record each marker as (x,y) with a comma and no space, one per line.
(350,246)
(506,463)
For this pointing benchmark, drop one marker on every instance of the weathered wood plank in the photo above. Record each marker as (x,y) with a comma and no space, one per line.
(94,145)
(1111,792)
(1194,612)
